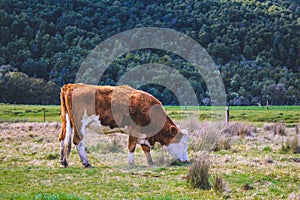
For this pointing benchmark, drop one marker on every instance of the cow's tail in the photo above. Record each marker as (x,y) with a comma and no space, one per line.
(66,130)
(63,111)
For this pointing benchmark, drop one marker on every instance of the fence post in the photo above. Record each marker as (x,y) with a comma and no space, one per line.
(44,109)
(227,114)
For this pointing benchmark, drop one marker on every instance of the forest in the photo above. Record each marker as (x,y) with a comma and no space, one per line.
(254,43)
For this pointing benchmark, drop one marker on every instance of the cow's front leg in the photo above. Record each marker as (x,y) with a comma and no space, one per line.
(82,153)
(132,141)
(146,150)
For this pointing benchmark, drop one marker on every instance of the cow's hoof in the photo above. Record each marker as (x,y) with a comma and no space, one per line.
(88,165)
(63,164)
(131,163)
(180,163)
(184,162)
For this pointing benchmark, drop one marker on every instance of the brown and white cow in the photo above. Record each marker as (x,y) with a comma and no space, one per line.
(87,106)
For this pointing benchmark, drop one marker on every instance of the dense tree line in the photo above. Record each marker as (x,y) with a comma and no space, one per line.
(255,43)
(17,87)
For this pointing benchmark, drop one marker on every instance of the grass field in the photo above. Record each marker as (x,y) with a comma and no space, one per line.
(258,165)
(289,115)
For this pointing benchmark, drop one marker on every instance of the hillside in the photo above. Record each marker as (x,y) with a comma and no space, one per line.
(256,45)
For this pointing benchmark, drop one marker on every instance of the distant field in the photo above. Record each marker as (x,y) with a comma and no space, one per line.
(289,115)
(29,113)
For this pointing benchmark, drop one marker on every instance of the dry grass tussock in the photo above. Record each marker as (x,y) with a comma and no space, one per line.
(291,144)
(277,129)
(208,138)
(214,136)
(106,144)
(239,129)
(219,184)
(198,173)
(297,129)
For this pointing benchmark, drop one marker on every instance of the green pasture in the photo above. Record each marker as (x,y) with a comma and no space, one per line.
(29,113)
(255,167)
(289,115)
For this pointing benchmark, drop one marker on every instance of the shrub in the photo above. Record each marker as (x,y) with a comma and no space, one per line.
(198,173)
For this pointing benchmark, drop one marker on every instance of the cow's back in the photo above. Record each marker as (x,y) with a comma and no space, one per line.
(115,106)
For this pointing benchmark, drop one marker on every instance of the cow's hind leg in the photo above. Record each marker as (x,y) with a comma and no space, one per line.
(132,141)
(146,150)
(80,146)
(82,153)
(65,142)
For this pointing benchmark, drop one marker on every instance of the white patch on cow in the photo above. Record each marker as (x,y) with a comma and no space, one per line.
(82,153)
(61,145)
(91,122)
(145,142)
(130,158)
(179,150)
(68,137)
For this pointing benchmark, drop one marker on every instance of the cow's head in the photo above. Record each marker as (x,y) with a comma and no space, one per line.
(179,146)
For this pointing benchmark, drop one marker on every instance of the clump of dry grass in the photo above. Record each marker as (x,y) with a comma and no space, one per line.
(224,142)
(209,138)
(218,185)
(239,129)
(198,174)
(297,129)
(279,129)
(268,127)
(191,124)
(112,144)
(206,136)
(292,144)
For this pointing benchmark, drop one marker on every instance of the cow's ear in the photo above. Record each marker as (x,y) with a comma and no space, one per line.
(173,130)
